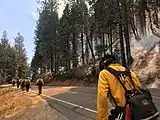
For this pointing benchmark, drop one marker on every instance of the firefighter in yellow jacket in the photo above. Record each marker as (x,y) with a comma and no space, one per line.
(108,82)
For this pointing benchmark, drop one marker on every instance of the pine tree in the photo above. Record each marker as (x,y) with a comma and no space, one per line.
(4,39)
(21,58)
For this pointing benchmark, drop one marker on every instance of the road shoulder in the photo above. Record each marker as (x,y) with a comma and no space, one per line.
(20,105)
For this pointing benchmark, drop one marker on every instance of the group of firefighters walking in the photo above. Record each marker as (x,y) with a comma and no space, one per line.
(25,84)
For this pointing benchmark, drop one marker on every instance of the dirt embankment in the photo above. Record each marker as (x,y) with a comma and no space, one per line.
(13,102)
(18,105)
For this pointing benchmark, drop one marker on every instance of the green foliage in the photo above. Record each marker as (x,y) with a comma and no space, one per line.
(4,39)
(75,73)
(12,57)
(21,57)
(46,38)
(39,76)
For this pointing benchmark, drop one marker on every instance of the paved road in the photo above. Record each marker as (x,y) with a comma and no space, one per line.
(80,103)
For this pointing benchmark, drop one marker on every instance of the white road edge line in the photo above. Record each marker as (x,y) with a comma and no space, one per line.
(156,97)
(72,104)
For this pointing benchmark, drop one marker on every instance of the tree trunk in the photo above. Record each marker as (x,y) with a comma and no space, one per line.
(87,51)
(96,42)
(156,18)
(44,69)
(75,62)
(52,41)
(122,46)
(55,46)
(151,26)
(19,72)
(82,45)
(110,38)
(51,61)
(134,29)
(67,48)
(91,38)
(126,35)
(41,68)
(68,52)
(48,66)
(103,40)
(156,21)
(90,46)
(55,62)
(142,4)
(128,51)
(121,36)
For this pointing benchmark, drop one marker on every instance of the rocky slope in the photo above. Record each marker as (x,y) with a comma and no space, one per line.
(147,64)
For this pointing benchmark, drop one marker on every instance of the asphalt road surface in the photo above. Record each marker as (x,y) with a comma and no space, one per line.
(80,103)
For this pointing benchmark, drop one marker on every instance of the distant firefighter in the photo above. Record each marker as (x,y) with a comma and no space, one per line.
(13,82)
(27,84)
(22,84)
(40,83)
(18,83)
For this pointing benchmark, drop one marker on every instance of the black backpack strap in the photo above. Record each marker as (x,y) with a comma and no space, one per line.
(117,74)
(130,77)
(113,98)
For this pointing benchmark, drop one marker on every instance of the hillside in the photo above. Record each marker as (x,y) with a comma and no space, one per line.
(147,63)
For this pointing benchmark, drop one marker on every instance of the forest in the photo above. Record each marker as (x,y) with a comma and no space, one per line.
(13,58)
(87,30)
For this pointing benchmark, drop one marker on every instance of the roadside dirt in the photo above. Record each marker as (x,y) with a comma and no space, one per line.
(19,105)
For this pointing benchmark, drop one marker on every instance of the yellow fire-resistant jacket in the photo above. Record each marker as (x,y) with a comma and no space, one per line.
(107,82)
